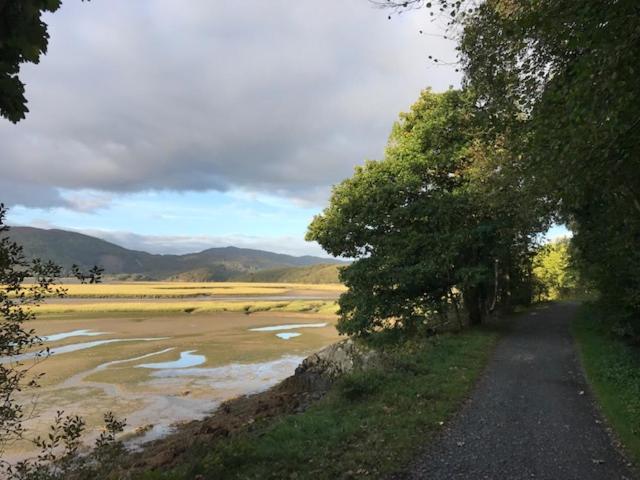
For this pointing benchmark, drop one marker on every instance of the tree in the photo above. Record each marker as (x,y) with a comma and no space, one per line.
(426,236)
(15,337)
(559,81)
(23,39)
(562,75)
(554,271)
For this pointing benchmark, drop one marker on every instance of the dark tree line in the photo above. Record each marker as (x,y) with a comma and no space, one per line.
(560,78)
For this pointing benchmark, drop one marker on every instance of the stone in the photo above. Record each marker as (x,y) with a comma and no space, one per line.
(337,359)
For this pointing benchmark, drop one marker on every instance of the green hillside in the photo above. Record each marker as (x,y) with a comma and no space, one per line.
(214,264)
(321,273)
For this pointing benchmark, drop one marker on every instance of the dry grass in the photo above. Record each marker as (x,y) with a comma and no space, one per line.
(185,306)
(190,289)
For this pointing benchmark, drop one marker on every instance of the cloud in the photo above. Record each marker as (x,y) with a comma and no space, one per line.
(87,202)
(277,97)
(17,192)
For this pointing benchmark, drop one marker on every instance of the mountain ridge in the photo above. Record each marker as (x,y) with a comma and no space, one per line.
(66,248)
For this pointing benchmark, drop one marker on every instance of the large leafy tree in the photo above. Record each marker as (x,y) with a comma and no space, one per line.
(563,76)
(560,81)
(426,234)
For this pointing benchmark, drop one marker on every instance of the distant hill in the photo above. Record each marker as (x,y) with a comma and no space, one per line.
(321,273)
(67,248)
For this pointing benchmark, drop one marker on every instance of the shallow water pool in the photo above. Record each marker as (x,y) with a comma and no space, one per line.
(187,359)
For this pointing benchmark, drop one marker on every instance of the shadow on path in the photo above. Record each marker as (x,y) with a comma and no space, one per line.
(531,416)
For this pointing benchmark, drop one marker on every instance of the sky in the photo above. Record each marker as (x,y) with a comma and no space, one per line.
(172,127)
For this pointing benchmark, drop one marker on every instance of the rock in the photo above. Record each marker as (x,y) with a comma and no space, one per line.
(337,359)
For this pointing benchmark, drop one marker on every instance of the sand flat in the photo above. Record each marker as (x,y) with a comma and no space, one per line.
(237,360)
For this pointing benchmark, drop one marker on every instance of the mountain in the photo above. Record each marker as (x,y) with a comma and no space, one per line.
(67,248)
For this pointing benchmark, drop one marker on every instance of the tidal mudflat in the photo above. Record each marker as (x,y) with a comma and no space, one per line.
(156,369)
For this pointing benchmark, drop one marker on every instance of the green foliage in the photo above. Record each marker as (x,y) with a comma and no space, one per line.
(320,273)
(360,385)
(560,79)
(59,458)
(555,273)
(15,337)
(23,39)
(369,424)
(613,368)
(425,224)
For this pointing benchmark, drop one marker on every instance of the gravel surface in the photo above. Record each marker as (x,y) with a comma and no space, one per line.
(531,416)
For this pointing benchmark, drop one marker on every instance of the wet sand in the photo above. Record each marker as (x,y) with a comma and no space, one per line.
(199,361)
(197,298)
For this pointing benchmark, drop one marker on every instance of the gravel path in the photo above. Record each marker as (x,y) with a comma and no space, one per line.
(531,416)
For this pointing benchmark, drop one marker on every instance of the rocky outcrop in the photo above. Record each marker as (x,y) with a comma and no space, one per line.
(337,359)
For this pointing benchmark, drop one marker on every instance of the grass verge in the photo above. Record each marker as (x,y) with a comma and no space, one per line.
(613,369)
(369,424)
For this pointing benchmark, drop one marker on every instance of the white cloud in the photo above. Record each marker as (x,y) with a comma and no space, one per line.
(87,201)
(279,97)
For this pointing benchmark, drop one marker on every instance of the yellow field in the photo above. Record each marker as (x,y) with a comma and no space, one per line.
(191,289)
(185,306)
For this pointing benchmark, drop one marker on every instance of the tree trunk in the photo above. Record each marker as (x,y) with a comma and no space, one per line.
(473,305)
(454,301)
(496,285)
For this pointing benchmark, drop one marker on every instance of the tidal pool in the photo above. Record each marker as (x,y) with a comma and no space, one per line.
(187,359)
(74,347)
(235,375)
(133,359)
(75,333)
(293,326)
(288,335)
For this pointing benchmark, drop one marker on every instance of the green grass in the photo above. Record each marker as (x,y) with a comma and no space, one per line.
(613,369)
(370,423)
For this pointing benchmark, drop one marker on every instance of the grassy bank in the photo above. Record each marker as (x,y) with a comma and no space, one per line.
(613,369)
(369,424)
